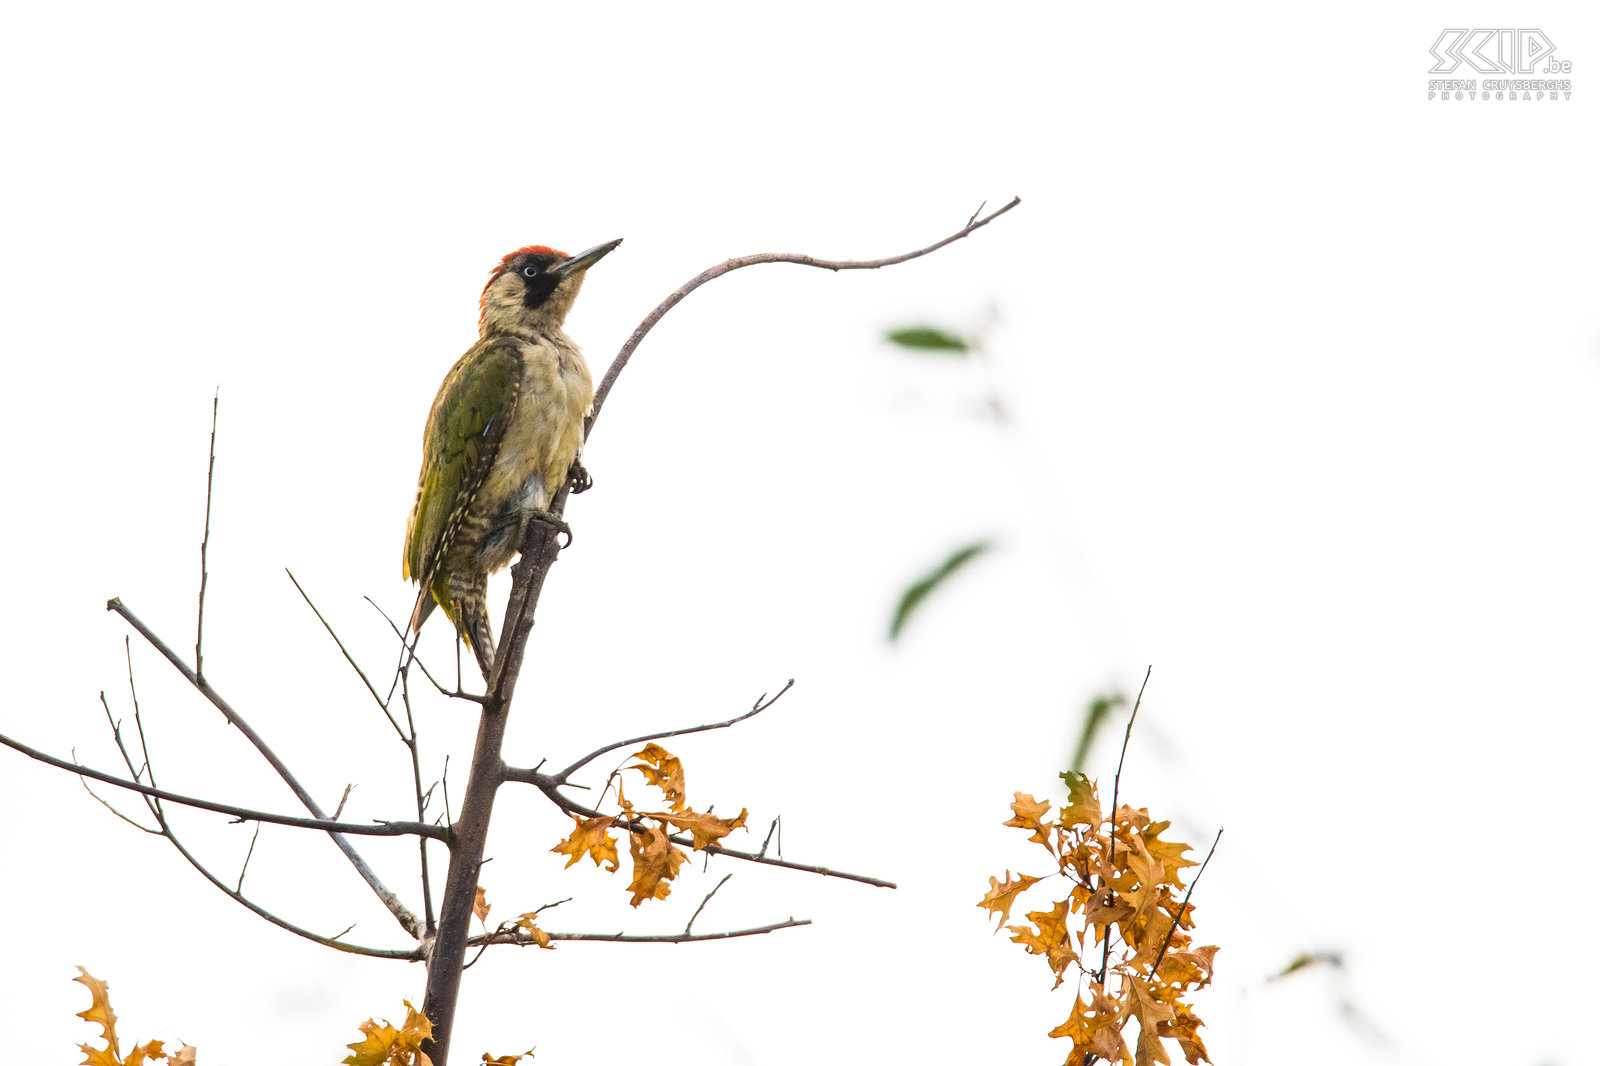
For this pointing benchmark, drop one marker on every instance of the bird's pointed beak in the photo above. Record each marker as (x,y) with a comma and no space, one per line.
(584,260)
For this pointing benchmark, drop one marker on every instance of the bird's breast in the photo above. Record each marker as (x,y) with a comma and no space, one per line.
(547,425)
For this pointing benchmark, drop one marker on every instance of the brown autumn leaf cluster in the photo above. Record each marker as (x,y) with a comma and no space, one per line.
(382,1044)
(1122,925)
(101,1014)
(655,857)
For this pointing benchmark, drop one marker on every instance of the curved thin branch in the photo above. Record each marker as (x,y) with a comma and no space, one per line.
(728,265)
(401,912)
(380,829)
(761,704)
(236,893)
(261,912)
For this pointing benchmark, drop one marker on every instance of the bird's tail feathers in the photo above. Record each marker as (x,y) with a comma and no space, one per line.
(468,599)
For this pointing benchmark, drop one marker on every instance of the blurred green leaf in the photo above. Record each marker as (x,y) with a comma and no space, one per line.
(918,591)
(1100,709)
(1310,958)
(928,339)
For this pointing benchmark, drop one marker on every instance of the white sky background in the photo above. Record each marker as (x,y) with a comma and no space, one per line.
(1304,369)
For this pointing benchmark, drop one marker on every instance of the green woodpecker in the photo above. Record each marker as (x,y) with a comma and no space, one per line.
(501,438)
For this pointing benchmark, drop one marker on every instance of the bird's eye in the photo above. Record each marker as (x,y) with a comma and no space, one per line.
(530,271)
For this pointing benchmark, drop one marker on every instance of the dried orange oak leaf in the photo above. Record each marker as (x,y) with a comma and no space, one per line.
(707,829)
(1084,808)
(589,837)
(662,769)
(101,1014)
(1030,815)
(655,862)
(480,905)
(1000,897)
(525,922)
(382,1044)
(507,1060)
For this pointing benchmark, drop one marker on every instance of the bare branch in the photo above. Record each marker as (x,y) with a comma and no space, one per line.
(412,657)
(205,539)
(775,827)
(761,704)
(687,929)
(343,799)
(239,888)
(107,805)
(1184,906)
(382,706)
(233,893)
(410,738)
(1116,784)
(728,265)
(524,940)
(379,829)
(402,914)
(413,953)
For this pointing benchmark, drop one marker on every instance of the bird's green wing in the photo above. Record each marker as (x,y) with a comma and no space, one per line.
(465,427)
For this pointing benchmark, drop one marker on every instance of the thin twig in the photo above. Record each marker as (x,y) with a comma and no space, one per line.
(239,888)
(205,539)
(414,658)
(760,705)
(382,706)
(1176,918)
(138,720)
(344,798)
(401,912)
(690,927)
(523,940)
(444,786)
(724,267)
(107,805)
(1116,784)
(166,830)
(410,738)
(379,829)
(777,823)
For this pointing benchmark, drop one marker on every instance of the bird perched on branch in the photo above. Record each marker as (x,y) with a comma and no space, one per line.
(501,440)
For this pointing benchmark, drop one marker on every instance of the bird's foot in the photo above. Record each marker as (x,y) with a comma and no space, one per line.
(578,479)
(548,519)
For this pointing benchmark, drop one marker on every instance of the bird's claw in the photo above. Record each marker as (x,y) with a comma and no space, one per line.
(545,518)
(578,479)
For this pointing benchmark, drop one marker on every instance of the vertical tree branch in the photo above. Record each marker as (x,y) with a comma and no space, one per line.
(205,539)
(470,831)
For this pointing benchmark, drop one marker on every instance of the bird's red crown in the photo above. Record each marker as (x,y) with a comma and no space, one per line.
(532,249)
